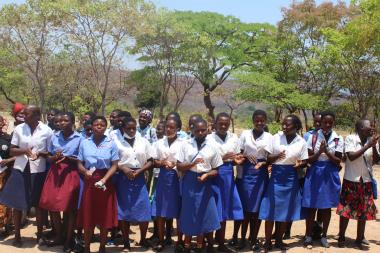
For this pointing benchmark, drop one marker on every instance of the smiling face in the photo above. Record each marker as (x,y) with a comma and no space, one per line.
(222,125)
(259,122)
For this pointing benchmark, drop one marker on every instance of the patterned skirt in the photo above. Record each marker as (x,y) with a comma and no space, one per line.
(356,201)
(4,211)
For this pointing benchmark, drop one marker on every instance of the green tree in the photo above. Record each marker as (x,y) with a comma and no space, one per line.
(218,45)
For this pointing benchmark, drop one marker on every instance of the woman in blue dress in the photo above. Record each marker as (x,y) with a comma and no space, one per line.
(199,161)
(136,157)
(97,162)
(282,199)
(166,204)
(322,182)
(255,146)
(228,147)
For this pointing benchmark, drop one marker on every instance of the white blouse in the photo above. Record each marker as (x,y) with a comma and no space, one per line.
(358,168)
(164,151)
(258,148)
(334,144)
(230,144)
(132,156)
(296,150)
(189,152)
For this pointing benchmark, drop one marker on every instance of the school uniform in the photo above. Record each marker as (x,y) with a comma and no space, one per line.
(253,182)
(282,199)
(61,189)
(199,213)
(322,183)
(167,199)
(132,195)
(148,133)
(24,186)
(231,207)
(356,198)
(98,207)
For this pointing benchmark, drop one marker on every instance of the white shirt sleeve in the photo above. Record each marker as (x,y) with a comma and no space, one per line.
(180,155)
(309,142)
(242,141)
(216,161)
(268,145)
(349,145)
(15,138)
(304,153)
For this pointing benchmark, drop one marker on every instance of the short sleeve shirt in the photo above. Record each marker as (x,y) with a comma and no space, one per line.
(189,152)
(335,143)
(164,151)
(69,146)
(358,168)
(98,157)
(296,150)
(37,141)
(133,156)
(230,144)
(259,147)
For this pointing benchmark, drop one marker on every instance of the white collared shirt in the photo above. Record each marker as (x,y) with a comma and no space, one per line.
(296,150)
(132,156)
(164,151)
(258,148)
(334,144)
(37,141)
(230,144)
(356,169)
(189,152)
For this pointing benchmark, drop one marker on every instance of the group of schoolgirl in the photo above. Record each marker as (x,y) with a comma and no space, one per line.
(196,183)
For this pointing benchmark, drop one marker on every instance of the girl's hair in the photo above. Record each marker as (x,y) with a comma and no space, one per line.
(222,115)
(295,120)
(259,113)
(99,117)
(70,115)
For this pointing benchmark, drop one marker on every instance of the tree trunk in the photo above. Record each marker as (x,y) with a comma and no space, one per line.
(277,114)
(208,103)
(305,116)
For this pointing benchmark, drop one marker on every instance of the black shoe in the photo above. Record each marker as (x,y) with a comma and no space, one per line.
(179,248)
(341,242)
(268,247)
(17,243)
(78,248)
(286,236)
(68,247)
(233,242)
(281,246)
(242,244)
(255,246)
(359,244)
(168,241)
(127,247)
(144,243)
(159,247)
(224,248)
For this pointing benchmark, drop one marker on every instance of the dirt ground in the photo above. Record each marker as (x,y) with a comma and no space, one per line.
(295,243)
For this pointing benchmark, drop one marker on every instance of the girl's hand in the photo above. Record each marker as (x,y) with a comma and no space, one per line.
(259,165)
(203,178)
(88,174)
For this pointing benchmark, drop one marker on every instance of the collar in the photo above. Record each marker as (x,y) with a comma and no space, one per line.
(296,139)
(75,134)
(333,135)
(216,137)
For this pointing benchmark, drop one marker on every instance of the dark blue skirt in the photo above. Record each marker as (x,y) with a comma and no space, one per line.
(322,186)
(132,198)
(199,214)
(23,189)
(282,199)
(167,198)
(252,186)
(231,207)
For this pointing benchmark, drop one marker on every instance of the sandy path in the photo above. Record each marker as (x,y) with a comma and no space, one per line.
(372,234)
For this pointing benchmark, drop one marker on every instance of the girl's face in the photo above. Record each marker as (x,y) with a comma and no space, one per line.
(259,122)
(327,124)
(200,131)
(130,129)
(65,123)
(99,127)
(88,130)
(222,125)
(171,129)
(57,122)
(288,126)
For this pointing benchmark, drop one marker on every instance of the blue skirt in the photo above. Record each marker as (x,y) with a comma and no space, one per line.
(252,186)
(231,207)
(167,199)
(132,198)
(22,189)
(282,199)
(322,186)
(199,214)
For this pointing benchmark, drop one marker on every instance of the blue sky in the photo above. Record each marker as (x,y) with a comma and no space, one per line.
(247,10)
